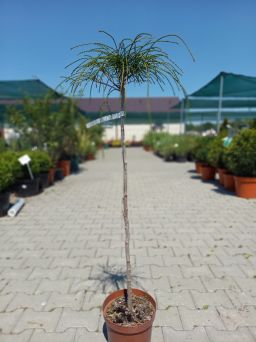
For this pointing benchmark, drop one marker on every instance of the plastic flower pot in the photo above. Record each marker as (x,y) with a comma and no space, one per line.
(4,203)
(65,165)
(208,173)
(221,173)
(198,166)
(44,176)
(229,182)
(27,187)
(58,175)
(51,175)
(137,333)
(245,187)
(90,156)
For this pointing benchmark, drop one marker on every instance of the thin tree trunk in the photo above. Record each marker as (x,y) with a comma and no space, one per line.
(125,208)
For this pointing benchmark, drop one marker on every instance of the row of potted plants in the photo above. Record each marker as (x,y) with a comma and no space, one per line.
(234,161)
(170,146)
(15,178)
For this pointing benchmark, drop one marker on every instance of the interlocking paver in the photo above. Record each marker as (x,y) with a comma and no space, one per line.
(79,319)
(31,319)
(42,336)
(192,248)
(196,335)
(240,335)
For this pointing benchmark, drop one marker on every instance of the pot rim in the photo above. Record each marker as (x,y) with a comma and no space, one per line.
(246,179)
(131,330)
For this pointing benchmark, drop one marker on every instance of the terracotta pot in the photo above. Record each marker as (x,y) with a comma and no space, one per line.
(198,166)
(90,157)
(245,187)
(139,333)
(65,166)
(221,173)
(51,175)
(229,182)
(146,148)
(208,172)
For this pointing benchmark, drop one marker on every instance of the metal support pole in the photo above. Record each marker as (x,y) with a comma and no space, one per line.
(182,118)
(220,103)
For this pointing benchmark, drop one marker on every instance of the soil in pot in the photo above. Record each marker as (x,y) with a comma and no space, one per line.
(4,203)
(125,327)
(229,182)
(245,187)
(208,172)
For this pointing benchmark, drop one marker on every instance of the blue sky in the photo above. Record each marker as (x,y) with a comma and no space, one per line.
(36,36)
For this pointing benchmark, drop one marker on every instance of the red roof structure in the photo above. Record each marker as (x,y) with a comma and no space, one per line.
(133,104)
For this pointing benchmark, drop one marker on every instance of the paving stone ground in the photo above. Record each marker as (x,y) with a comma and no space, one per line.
(193,247)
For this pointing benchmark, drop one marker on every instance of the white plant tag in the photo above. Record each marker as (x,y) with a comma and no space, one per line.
(24,160)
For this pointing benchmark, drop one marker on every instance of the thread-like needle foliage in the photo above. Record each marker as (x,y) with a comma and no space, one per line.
(110,67)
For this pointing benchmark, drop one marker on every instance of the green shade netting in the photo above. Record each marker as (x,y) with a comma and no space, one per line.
(239,91)
(17,90)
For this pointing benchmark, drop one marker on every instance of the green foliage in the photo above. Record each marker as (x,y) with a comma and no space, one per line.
(40,161)
(153,139)
(45,123)
(138,60)
(216,153)
(6,173)
(241,155)
(202,150)
(2,145)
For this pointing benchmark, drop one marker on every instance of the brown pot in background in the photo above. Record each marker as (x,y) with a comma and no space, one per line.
(221,172)
(51,175)
(65,166)
(229,182)
(245,187)
(90,157)
(139,333)
(198,166)
(208,172)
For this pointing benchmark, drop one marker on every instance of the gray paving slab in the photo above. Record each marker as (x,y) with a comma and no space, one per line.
(193,248)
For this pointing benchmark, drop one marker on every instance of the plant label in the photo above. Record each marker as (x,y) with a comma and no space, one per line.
(24,160)
(105,119)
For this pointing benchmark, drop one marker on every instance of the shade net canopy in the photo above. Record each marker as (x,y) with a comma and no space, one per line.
(239,91)
(18,90)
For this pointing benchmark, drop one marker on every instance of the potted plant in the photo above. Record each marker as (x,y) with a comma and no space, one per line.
(216,157)
(193,153)
(6,180)
(202,155)
(241,159)
(128,313)
(45,163)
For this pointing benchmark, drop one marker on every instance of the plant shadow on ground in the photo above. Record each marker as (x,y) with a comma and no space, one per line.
(112,278)
(195,176)
(218,187)
(192,171)
(221,190)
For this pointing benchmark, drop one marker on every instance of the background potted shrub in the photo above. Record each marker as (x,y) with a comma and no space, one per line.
(241,159)
(6,180)
(216,157)
(111,68)
(202,156)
